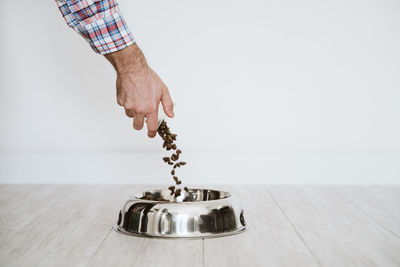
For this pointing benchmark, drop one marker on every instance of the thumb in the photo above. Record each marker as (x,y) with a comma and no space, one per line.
(168,104)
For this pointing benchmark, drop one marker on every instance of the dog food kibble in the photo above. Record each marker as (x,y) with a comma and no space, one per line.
(177,192)
(175,157)
(172,189)
(169,138)
(177,165)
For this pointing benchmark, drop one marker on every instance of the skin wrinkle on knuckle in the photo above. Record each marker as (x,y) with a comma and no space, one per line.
(138,110)
(129,107)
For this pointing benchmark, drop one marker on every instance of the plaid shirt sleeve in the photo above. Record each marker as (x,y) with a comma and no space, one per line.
(98,21)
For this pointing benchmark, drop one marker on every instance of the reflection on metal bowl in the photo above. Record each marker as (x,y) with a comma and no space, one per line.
(199,213)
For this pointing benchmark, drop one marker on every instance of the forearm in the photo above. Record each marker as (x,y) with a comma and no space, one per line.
(128,60)
(100,23)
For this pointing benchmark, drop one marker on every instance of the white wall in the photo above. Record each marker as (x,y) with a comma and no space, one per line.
(266,92)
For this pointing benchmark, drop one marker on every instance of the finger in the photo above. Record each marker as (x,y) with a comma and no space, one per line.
(168,104)
(152,124)
(138,122)
(129,113)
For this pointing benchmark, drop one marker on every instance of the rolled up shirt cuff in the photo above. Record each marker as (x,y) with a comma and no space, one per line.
(108,34)
(98,22)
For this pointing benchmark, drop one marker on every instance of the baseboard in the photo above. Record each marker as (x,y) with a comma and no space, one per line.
(127,168)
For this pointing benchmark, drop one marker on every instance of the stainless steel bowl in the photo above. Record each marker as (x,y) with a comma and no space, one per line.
(200,213)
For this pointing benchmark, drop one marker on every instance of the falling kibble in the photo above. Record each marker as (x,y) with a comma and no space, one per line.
(177,192)
(172,189)
(177,165)
(169,138)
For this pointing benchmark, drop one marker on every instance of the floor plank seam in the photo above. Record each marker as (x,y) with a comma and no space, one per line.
(294,228)
(100,245)
(365,214)
(202,254)
(137,254)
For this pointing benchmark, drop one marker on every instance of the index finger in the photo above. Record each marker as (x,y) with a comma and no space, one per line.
(152,124)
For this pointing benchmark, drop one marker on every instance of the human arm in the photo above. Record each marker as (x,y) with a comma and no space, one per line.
(139,89)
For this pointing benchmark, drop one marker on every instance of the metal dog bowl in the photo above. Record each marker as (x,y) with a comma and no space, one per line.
(200,213)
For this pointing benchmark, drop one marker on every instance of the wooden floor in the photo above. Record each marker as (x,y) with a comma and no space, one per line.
(70,225)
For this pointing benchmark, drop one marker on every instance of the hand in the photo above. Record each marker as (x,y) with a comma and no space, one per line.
(140,89)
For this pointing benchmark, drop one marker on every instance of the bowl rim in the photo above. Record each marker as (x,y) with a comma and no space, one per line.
(242,229)
(137,196)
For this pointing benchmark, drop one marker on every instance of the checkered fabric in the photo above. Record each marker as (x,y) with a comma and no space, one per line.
(99,21)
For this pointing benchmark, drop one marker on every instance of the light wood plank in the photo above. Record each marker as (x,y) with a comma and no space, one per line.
(69,233)
(270,240)
(19,243)
(117,250)
(9,192)
(161,252)
(381,203)
(336,232)
(20,209)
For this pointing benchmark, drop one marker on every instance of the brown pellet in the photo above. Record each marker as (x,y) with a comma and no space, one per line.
(177,165)
(165,133)
(174,157)
(177,192)
(186,189)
